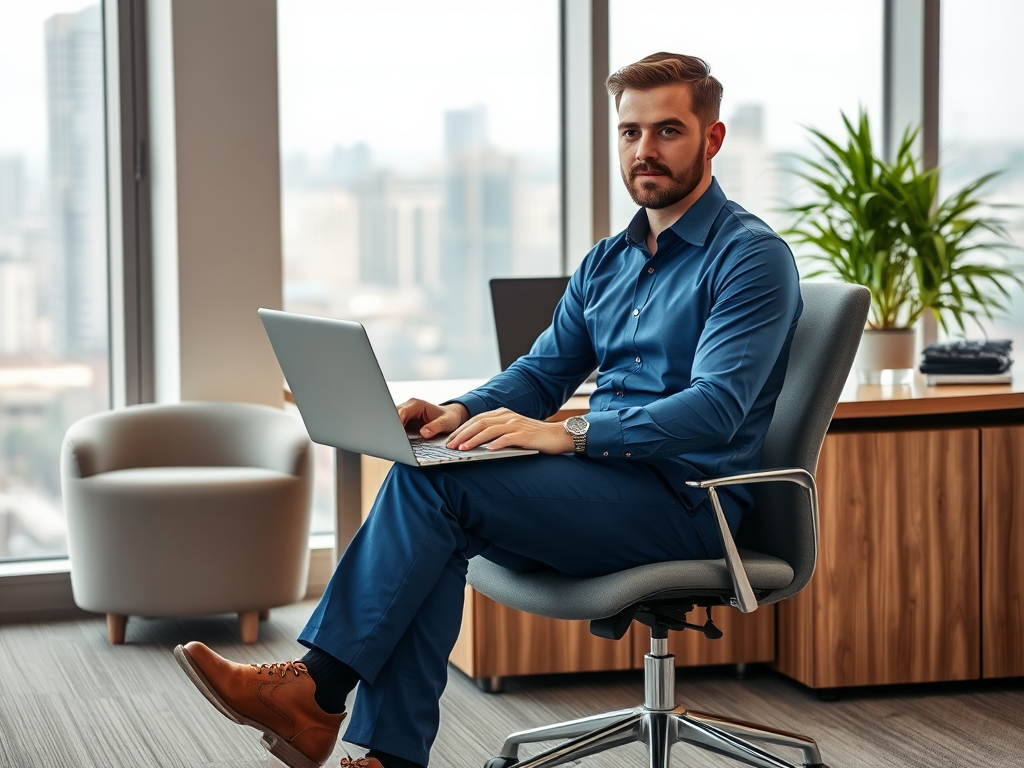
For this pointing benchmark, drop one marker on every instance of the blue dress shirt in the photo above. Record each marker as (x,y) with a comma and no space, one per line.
(691,346)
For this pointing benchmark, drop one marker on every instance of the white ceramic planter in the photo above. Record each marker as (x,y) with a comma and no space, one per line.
(883,351)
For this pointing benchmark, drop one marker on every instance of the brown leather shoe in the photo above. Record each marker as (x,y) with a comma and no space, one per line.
(274,698)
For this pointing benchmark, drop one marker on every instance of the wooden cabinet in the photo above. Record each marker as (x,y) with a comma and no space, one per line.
(497,641)
(501,642)
(895,595)
(1002,551)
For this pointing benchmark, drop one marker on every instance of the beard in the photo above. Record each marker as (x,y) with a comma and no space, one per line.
(648,194)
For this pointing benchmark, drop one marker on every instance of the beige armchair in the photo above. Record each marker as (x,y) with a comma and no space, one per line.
(187,509)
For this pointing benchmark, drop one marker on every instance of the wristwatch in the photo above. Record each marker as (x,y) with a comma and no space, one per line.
(577,427)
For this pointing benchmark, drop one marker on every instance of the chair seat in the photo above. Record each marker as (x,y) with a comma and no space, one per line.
(558,596)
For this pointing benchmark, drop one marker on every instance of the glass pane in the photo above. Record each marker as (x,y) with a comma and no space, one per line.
(53,257)
(783,65)
(410,180)
(982,123)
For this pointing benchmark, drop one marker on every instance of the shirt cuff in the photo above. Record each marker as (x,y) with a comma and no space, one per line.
(604,438)
(474,403)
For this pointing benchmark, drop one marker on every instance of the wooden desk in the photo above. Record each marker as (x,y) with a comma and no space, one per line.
(921,559)
(921,541)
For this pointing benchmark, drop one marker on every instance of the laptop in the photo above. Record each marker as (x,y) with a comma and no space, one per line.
(523,308)
(342,396)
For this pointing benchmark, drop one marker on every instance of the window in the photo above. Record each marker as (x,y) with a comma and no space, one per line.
(783,65)
(419,159)
(981,126)
(54,346)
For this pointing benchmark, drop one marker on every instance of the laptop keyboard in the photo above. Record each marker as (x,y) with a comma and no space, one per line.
(434,452)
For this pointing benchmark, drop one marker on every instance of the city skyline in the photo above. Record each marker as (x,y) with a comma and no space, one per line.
(399,221)
(53,287)
(359,232)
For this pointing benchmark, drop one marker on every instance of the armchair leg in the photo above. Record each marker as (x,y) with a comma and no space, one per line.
(249,625)
(116,624)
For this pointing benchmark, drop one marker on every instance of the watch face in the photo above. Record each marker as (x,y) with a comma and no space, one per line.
(577,425)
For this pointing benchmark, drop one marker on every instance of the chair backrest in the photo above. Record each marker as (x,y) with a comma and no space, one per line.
(782,523)
(189,434)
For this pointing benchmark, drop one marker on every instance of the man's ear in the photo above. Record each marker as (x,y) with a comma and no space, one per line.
(714,136)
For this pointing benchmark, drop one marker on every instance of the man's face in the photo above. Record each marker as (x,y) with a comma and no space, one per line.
(662,147)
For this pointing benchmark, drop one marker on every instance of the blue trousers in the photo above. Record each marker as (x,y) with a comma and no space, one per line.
(393,608)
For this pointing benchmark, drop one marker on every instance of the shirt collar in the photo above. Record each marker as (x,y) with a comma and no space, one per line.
(693,226)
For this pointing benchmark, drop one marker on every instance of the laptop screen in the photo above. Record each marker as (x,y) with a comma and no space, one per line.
(523,307)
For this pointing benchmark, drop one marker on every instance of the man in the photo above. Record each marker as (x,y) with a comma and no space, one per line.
(688,314)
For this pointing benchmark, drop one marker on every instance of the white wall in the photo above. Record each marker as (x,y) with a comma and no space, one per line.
(215,167)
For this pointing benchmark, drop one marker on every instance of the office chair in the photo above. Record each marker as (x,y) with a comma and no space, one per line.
(772,559)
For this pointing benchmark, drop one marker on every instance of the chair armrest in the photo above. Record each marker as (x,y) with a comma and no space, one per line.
(745,600)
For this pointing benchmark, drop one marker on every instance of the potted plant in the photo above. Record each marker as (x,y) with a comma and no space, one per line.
(881,225)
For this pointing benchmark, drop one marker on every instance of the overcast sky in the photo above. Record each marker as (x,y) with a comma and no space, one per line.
(384,72)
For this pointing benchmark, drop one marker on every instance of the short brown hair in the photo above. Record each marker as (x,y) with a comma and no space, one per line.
(665,69)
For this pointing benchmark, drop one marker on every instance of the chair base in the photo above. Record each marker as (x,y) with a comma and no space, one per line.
(659,730)
(659,724)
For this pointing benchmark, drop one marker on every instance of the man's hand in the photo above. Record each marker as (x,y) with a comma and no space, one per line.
(507,429)
(431,420)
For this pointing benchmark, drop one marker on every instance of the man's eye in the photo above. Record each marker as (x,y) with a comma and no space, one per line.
(669,131)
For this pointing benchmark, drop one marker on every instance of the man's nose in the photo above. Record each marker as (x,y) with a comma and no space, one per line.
(646,148)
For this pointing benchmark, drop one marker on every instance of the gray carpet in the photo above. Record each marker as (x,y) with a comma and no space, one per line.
(70,700)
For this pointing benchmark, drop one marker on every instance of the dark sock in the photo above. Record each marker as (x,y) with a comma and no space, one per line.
(334,680)
(392,761)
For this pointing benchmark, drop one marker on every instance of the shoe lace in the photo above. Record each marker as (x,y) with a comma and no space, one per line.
(281,669)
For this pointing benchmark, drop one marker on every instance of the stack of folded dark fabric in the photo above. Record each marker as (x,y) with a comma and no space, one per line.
(968,362)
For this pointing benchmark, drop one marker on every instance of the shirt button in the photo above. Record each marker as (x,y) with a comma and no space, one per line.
(636,312)
(638,359)
(618,393)
(628,454)
(650,270)
(605,453)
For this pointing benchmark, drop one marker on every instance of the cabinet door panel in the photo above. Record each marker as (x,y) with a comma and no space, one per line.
(504,642)
(895,595)
(1002,551)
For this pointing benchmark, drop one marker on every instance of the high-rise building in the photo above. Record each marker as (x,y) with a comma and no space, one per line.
(746,167)
(77,297)
(12,191)
(399,230)
(478,234)
(18,314)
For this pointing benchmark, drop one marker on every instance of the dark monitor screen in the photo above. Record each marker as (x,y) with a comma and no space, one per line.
(523,307)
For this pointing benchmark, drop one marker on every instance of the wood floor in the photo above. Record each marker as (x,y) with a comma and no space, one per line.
(70,700)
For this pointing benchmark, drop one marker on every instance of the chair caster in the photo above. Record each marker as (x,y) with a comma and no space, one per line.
(501,762)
